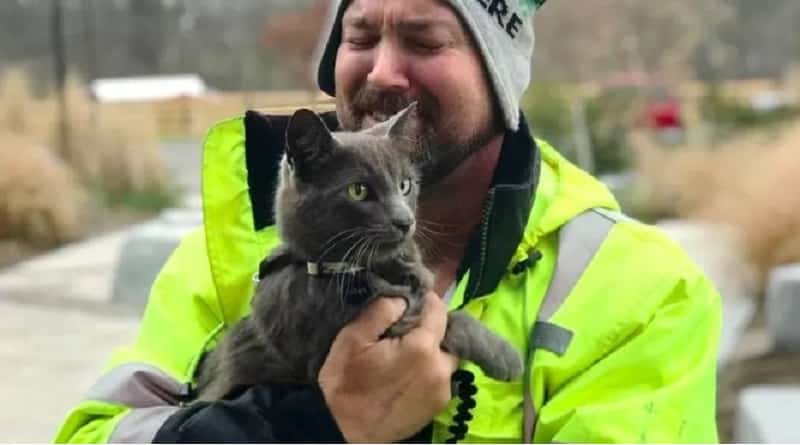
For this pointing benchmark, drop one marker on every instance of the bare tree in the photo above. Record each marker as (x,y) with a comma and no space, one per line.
(606,36)
(294,37)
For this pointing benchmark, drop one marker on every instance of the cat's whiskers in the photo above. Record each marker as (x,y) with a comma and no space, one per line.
(426,243)
(370,238)
(341,277)
(368,247)
(350,278)
(429,222)
(371,255)
(335,240)
(434,237)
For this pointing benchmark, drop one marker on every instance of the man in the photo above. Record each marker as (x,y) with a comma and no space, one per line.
(617,327)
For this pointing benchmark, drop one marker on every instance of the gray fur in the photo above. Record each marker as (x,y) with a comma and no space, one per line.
(295,316)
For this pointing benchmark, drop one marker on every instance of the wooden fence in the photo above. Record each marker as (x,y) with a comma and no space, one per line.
(177,118)
(191,117)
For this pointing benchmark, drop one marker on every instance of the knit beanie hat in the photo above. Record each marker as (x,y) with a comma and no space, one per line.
(502,30)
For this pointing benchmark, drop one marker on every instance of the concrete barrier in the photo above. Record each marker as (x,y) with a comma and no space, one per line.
(768,414)
(144,252)
(783,307)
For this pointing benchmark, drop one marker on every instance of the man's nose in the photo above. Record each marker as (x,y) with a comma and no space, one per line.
(388,71)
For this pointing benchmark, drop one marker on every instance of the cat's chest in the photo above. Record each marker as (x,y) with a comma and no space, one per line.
(351,289)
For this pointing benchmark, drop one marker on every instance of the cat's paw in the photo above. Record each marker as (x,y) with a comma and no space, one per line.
(414,283)
(382,288)
(505,365)
(468,339)
(415,275)
(402,326)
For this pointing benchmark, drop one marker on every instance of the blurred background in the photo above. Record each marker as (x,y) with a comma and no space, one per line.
(689,110)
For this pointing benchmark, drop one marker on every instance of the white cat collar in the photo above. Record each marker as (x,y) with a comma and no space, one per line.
(332,268)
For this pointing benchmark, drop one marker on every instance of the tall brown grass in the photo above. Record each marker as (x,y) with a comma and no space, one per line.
(115,153)
(43,182)
(111,148)
(40,198)
(751,184)
(106,146)
(15,101)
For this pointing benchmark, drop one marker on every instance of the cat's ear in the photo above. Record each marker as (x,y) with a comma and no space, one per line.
(308,140)
(405,124)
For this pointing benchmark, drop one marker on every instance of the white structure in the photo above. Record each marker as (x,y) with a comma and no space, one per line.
(783,307)
(145,251)
(148,88)
(768,414)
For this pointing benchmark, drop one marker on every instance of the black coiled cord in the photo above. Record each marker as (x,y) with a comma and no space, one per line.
(464,388)
(464,381)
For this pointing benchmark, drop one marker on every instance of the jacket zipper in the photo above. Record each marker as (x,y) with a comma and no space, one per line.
(485,215)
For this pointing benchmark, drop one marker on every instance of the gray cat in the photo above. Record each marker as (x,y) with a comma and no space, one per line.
(345,209)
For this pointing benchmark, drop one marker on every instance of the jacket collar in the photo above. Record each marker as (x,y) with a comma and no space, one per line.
(505,213)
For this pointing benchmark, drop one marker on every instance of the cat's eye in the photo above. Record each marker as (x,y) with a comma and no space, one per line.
(405,186)
(358,191)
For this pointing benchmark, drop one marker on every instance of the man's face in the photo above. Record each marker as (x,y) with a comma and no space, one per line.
(395,52)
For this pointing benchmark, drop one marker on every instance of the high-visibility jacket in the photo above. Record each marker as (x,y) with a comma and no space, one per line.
(618,328)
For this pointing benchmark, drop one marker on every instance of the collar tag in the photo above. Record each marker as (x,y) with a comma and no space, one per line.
(332,268)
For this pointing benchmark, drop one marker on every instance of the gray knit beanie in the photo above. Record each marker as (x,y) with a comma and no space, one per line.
(502,29)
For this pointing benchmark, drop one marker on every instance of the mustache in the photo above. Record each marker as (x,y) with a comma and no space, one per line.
(373,100)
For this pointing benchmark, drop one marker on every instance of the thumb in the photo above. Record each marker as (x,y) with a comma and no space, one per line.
(376,318)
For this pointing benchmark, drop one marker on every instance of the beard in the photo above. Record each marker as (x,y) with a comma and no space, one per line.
(441,142)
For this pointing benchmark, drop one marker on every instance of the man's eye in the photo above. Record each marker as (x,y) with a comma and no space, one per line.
(428,45)
(360,42)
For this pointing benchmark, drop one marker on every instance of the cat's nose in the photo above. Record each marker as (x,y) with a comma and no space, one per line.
(403,225)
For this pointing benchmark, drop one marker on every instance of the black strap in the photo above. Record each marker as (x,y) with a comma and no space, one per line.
(274,263)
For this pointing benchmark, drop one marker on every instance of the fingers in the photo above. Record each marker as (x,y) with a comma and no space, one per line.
(375,319)
(451,361)
(432,328)
(433,321)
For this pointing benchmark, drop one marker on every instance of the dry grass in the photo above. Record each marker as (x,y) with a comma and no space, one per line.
(40,200)
(15,102)
(751,184)
(40,197)
(106,147)
(113,149)
(110,152)
(43,182)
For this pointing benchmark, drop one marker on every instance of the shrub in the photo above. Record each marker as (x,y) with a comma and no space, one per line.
(40,200)
(549,107)
(749,184)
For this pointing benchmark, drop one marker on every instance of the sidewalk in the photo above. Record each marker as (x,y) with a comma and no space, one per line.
(49,357)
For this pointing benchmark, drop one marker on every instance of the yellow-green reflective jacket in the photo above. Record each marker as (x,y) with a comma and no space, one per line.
(623,350)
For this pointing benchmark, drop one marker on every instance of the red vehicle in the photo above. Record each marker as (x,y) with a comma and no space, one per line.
(663,114)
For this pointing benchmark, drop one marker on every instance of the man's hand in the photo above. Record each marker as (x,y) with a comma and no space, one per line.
(385,390)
